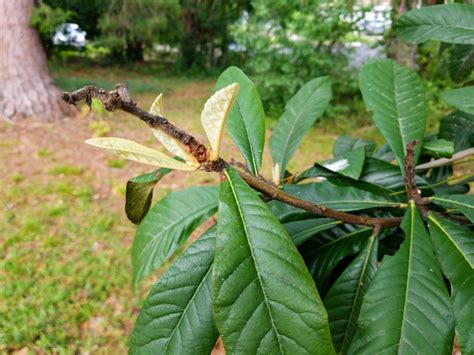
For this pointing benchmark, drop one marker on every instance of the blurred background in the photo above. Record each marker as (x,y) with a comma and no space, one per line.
(65,269)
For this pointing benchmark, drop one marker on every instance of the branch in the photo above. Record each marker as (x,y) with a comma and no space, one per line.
(410,183)
(444,161)
(121,99)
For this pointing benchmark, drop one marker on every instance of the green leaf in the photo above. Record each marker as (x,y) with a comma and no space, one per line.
(346,144)
(301,231)
(246,121)
(350,164)
(344,298)
(264,298)
(323,253)
(300,113)
(458,127)
(177,316)
(439,148)
(462,98)
(384,153)
(452,23)
(464,203)
(454,246)
(168,225)
(341,198)
(139,194)
(461,61)
(407,307)
(395,94)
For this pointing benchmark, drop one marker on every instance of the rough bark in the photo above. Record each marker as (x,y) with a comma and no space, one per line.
(27,89)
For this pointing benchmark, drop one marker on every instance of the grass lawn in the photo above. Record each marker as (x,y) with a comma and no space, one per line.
(65,268)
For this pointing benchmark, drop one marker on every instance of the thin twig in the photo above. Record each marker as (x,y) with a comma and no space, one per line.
(121,99)
(410,183)
(445,161)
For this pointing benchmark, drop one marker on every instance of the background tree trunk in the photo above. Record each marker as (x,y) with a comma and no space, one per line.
(26,86)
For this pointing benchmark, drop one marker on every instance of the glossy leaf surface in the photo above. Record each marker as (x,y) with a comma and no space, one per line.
(344,299)
(300,231)
(264,298)
(177,316)
(246,122)
(407,307)
(465,203)
(439,148)
(462,98)
(301,112)
(451,23)
(139,193)
(168,225)
(395,95)
(350,164)
(454,246)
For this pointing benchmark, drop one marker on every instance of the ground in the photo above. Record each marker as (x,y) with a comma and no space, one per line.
(65,266)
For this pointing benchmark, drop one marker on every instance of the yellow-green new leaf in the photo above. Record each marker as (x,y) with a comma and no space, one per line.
(133,151)
(170,143)
(215,112)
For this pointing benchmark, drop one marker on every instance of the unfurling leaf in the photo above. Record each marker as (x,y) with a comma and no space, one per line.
(133,151)
(215,112)
(170,143)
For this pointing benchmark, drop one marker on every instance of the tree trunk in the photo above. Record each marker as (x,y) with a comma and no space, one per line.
(26,86)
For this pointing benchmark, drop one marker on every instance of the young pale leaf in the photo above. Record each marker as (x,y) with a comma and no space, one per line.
(461,61)
(300,113)
(264,298)
(407,307)
(344,298)
(451,23)
(168,225)
(301,231)
(350,164)
(170,143)
(454,246)
(462,98)
(439,148)
(346,144)
(177,317)
(458,127)
(464,203)
(214,115)
(133,151)
(395,95)
(139,194)
(246,122)
(323,253)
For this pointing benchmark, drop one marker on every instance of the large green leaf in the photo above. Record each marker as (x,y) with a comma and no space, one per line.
(439,148)
(324,252)
(264,298)
(452,23)
(346,144)
(246,121)
(301,231)
(407,307)
(341,198)
(344,298)
(454,246)
(350,164)
(461,61)
(395,94)
(167,226)
(300,113)
(464,203)
(139,194)
(462,98)
(177,316)
(458,127)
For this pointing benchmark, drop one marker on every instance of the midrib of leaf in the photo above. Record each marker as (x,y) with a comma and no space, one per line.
(440,26)
(337,240)
(400,119)
(244,225)
(452,201)
(298,116)
(359,287)
(316,228)
(451,240)
(163,231)
(186,308)
(254,163)
(407,287)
